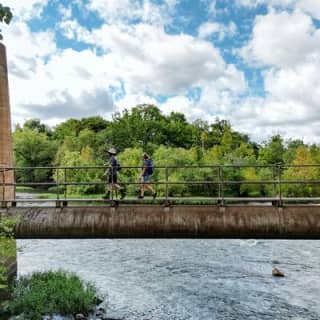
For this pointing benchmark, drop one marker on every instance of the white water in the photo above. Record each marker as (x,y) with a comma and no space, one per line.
(190,279)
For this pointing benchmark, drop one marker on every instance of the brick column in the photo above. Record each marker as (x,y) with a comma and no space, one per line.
(6,146)
(6,160)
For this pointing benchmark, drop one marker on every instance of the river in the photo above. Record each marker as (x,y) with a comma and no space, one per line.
(189,279)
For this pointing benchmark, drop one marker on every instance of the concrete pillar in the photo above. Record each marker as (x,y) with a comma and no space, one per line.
(6,161)
(6,145)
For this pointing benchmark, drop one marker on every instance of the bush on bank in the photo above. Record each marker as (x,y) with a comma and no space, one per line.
(7,247)
(50,293)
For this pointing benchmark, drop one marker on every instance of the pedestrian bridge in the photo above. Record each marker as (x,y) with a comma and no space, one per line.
(220,205)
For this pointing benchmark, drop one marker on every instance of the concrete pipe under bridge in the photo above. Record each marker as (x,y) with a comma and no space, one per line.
(152,221)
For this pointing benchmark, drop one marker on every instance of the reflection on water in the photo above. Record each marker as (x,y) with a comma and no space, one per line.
(190,279)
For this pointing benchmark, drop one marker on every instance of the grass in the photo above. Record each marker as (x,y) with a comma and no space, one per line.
(49,293)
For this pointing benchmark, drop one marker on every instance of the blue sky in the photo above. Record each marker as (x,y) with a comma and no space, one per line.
(252,62)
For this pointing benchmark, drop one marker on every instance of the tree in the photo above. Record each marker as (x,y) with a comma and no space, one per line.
(77,159)
(33,149)
(5,16)
(273,151)
(302,156)
(35,124)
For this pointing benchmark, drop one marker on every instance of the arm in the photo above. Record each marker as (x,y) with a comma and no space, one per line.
(144,168)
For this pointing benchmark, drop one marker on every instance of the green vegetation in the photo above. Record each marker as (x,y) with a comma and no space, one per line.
(170,140)
(5,16)
(7,247)
(51,293)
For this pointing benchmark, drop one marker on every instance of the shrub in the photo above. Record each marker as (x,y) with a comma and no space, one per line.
(7,246)
(49,293)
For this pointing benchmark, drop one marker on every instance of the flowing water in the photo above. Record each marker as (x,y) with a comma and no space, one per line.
(189,279)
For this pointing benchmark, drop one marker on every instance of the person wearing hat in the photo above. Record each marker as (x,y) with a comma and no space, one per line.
(112,173)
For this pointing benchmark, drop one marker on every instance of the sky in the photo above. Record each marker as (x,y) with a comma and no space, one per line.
(255,63)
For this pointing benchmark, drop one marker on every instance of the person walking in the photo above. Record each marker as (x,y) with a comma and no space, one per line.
(112,173)
(146,172)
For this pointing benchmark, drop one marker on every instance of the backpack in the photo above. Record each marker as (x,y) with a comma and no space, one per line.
(150,167)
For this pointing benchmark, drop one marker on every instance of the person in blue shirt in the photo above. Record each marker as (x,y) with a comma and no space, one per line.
(146,172)
(112,173)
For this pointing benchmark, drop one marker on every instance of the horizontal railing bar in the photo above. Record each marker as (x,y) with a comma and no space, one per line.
(225,182)
(254,199)
(236,166)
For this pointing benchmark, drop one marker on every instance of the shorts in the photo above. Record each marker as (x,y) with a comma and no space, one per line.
(113,179)
(145,179)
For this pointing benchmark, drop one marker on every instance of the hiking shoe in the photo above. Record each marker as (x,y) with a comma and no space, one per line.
(140,197)
(154,195)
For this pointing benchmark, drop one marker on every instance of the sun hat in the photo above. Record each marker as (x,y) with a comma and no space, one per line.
(112,151)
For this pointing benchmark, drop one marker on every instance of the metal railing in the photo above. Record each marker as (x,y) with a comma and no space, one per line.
(220,189)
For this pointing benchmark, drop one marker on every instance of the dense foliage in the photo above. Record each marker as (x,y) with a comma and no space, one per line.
(170,140)
(7,246)
(5,16)
(52,292)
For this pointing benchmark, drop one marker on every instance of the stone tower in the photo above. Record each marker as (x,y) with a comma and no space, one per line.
(6,146)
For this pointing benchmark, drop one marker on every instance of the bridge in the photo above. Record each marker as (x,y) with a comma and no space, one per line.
(217,207)
(214,207)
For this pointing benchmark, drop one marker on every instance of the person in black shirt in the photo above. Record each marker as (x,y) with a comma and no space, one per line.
(112,173)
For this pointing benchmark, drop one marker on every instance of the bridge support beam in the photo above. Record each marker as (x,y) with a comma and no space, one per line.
(238,222)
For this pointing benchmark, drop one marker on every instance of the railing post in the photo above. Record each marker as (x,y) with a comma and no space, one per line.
(57,189)
(65,202)
(274,183)
(280,187)
(3,202)
(221,187)
(14,202)
(167,189)
(113,202)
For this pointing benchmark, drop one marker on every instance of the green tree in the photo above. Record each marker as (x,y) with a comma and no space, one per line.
(35,124)
(273,151)
(5,16)
(33,149)
(302,156)
(75,175)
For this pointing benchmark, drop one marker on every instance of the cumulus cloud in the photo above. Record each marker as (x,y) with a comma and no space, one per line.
(49,82)
(26,9)
(286,44)
(115,11)
(64,105)
(283,39)
(311,7)
(150,60)
(134,63)
(208,29)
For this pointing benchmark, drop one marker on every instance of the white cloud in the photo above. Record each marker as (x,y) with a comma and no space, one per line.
(150,60)
(311,7)
(283,39)
(139,62)
(26,9)
(208,29)
(287,46)
(115,11)
(50,83)
(66,12)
